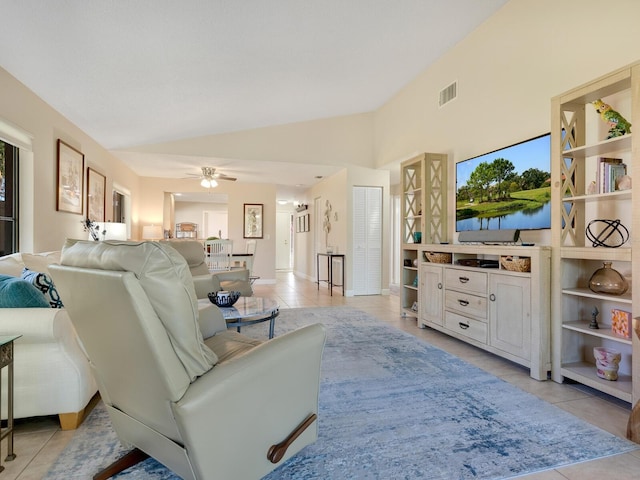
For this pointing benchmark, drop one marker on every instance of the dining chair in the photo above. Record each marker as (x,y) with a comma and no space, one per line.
(218,254)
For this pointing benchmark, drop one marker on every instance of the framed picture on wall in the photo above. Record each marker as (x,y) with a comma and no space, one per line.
(253,220)
(96,186)
(307,223)
(298,224)
(70,179)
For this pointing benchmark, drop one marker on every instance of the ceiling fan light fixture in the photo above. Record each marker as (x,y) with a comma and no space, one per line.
(209,183)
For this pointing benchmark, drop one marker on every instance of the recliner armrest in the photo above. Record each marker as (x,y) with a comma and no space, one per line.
(254,400)
(241,274)
(231,280)
(204,284)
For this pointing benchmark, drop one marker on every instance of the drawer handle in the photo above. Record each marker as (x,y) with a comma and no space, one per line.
(464,303)
(463,279)
(492,297)
(463,326)
(440,286)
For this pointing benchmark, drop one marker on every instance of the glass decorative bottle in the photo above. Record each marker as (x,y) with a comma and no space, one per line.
(607,280)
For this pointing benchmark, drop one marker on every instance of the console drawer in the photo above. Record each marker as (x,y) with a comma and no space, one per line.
(466,280)
(466,326)
(466,304)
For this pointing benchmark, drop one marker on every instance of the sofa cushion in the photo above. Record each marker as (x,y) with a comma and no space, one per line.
(44,283)
(11,264)
(14,263)
(164,276)
(18,293)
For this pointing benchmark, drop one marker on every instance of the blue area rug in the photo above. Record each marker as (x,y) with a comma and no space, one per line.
(394,407)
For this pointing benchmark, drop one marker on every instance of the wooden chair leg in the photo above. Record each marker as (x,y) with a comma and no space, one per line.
(130,459)
(71,421)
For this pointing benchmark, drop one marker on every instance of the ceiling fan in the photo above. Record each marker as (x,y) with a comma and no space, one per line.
(209,177)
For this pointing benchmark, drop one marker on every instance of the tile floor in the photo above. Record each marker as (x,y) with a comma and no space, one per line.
(39,441)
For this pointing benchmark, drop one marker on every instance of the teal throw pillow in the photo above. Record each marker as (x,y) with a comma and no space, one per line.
(18,293)
(44,283)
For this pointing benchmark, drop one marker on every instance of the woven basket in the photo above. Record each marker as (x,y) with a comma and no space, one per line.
(437,257)
(516,264)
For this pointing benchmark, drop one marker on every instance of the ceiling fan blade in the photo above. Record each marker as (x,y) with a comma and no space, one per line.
(222,176)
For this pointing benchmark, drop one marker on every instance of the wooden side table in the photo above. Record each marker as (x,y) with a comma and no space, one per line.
(6,360)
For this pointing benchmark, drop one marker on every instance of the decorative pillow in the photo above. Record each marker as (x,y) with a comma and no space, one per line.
(18,293)
(44,283)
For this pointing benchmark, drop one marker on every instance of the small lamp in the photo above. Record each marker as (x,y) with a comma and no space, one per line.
(152,232)
(112,230)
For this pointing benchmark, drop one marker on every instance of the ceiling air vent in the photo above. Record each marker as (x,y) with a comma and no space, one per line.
(448,94)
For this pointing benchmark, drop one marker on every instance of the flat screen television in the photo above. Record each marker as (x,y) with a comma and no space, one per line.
(509,188)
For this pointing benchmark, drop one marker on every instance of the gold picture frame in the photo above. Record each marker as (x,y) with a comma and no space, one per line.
(253,220)
(70,180)
(96,186)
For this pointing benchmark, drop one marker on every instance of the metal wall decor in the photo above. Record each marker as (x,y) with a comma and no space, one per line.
(612,234)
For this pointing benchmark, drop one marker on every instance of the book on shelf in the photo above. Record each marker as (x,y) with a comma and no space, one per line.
(607,173)
(621,323)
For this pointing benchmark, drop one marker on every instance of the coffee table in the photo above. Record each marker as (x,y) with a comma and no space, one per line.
(251,310)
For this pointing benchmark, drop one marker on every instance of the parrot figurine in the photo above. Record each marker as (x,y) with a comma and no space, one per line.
(619,126)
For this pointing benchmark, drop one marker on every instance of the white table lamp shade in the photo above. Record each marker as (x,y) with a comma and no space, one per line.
(113,231)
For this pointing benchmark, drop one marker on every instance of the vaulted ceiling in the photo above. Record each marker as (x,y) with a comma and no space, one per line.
(132,73)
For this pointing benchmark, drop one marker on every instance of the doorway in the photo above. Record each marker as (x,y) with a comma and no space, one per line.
(284,241)
(122,207)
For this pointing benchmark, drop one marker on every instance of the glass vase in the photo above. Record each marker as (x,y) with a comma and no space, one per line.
(608,280)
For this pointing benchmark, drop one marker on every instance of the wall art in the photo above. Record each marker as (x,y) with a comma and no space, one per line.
(96,186)
(70,179)
(253,220)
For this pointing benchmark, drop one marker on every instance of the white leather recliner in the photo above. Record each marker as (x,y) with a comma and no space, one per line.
(205,401)
(204,280)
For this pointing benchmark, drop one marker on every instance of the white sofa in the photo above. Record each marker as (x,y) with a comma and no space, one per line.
(51,373)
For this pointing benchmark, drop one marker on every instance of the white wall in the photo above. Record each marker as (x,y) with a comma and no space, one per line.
(329,141)
(218,218)
(507,71)
(41,226)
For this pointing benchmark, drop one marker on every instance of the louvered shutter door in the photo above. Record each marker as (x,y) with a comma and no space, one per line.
(367,240)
